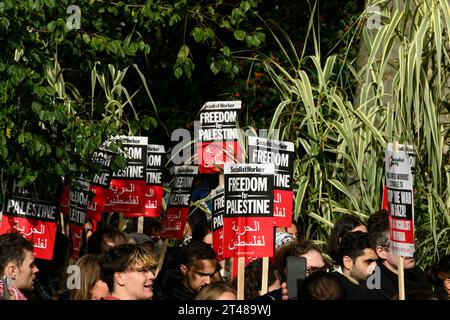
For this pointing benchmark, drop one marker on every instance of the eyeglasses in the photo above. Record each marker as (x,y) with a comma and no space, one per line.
(311,269)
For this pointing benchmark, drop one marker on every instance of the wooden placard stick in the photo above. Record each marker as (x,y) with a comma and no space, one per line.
(400,267)
(230,274)
(265,275)
(401,279)
(241,278)
(140,226)
(61,216)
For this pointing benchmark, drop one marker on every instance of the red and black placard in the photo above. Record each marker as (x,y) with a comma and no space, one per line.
(218,205)
(154,190)
(100,182)
(248,215)
(400,182)
(128,185)
(80,197)
(34,218)
(216,135)
(281,154)
(178,204)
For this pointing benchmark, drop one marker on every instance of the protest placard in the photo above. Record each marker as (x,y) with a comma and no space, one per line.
(399,182)
(154,185)
(248,214)
(177,210)
(128,185)
(34,218)
(216,135)
(218,205)
(281,154)
(101,182)
(80,197)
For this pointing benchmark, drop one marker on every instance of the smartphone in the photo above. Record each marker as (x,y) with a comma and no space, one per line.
(296,273)
(7,283)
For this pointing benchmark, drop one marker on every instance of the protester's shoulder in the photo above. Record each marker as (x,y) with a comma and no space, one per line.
(178,292)
(270,296)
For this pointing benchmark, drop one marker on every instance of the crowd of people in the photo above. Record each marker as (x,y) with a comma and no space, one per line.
(357,264)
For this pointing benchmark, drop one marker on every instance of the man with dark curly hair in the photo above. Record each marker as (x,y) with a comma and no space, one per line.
(17,264)
(357,261)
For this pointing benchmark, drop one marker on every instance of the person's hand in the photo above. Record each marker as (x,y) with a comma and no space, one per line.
(11,295)
(284,291)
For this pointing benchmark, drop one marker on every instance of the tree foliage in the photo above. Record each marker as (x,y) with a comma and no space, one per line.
(64,91)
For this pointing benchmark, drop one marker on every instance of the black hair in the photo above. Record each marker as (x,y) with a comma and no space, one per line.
(196,217)
(378,227)
(353,245)
(196,250)
(321,285)
(342,226)
(436,275)
(13,247)
(96,243)
(200,231)
(253,276)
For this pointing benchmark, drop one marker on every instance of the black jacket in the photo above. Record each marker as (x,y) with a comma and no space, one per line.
(355,291)
(415,280)
(171,287)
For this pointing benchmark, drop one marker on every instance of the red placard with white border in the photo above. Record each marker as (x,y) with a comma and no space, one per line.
(128,186)
(216,136)
(79,200)
(34,219)
(154,190)
(100,182)
(179,201)
(399,181)
(248,215)
(281,154)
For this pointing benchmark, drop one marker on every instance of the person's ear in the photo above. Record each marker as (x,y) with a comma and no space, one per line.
(348,262)
(183,269)
(381,252)
(11,270)
(447,284)
(119,278)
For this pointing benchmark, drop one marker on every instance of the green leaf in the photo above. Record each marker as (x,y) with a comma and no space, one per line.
(245,5)
(209,33)
(253,41)
(50,3)
(2,139)
(215,67)
(178,72)
(149,122)
(188,67)
(36,107)
(225,24)
(226,51)
(86,38)
(239,34)
(174,19)
(184,52)
(198,34)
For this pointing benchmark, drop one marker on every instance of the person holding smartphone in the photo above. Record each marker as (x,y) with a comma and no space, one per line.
(16,264)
